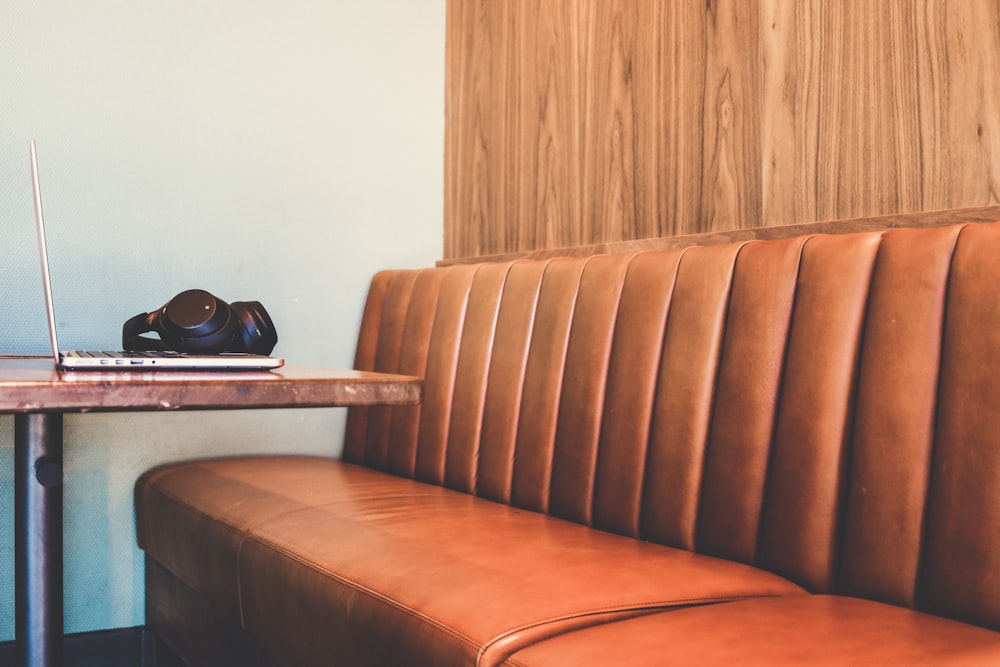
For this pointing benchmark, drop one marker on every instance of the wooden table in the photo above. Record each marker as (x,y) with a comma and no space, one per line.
(39,396)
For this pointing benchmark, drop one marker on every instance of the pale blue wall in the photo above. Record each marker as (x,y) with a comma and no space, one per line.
(274,151)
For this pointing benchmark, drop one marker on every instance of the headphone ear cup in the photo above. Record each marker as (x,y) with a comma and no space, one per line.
(197,321)
(256,330)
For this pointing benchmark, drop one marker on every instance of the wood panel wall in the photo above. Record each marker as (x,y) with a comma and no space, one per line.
(582,122)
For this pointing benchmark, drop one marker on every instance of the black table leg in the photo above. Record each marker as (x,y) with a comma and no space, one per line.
(38,535)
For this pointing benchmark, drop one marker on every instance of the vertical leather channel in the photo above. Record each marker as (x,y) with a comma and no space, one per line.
(471,374)
(364,360)
(959,575)
(631,388)
(684,397)
(390,344)
(404,420)
(746,401)
(894,423)
(543,382)
(584,382)
(439,379)
(803,503)
(501,414)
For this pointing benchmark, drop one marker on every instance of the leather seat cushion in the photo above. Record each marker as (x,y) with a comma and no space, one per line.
(816,630)
(329,561)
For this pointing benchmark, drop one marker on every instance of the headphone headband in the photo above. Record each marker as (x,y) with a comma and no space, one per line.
(197,321)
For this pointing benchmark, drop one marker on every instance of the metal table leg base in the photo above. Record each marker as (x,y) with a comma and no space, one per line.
(38,535)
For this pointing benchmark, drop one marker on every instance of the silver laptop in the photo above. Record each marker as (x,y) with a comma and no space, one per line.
(120,360)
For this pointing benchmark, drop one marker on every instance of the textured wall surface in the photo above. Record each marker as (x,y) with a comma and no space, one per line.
(279,153)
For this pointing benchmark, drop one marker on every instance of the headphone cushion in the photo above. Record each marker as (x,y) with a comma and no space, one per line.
(255,327)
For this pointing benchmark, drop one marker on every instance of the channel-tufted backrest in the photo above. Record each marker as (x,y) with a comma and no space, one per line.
(825,407)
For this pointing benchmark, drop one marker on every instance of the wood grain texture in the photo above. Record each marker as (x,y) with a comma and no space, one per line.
(876,108)
(731,189)
(581,122)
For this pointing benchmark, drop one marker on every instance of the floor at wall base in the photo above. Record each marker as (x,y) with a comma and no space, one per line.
(121,647)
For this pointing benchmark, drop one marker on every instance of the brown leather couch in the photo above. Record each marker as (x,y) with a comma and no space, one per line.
(775,452)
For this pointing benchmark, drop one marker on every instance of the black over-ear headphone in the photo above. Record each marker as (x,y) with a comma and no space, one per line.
(197,321)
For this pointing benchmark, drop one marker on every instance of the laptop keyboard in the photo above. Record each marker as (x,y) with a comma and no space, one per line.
(121,354)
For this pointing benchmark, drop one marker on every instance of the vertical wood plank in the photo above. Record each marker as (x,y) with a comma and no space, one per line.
(549,161)
(968,159)
(479,107)
(672,44)
(610,123)
(790,110)
(731,193)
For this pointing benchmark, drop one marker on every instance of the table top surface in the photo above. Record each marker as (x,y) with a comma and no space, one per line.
(32,384)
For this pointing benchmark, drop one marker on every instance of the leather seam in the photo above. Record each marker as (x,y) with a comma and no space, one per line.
(651,607)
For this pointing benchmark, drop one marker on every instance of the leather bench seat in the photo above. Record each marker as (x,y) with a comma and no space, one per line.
(819,630)
(444,577)
(620,440)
